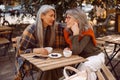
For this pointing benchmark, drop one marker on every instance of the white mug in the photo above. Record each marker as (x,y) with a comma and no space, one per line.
(67,53)
(49,49)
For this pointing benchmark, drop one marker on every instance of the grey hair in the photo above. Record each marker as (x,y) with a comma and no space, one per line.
(44,9)
(80,15)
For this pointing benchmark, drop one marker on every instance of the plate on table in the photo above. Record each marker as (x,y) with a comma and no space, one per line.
(55,55)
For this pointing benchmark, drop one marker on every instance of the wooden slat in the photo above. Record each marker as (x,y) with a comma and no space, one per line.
(27,55)
(104,73)
(4,41)
(55,66)
(99,75)
(59,60)
(49,63)
(30,58)
(107,73)
(5,32)
(114,39)
(5,28)
(100,42)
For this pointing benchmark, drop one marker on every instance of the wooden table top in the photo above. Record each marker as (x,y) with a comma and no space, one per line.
(4,41)
(111,39)
(4,28)
(52,63)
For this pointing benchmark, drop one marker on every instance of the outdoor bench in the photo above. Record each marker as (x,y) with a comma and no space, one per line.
(104,73)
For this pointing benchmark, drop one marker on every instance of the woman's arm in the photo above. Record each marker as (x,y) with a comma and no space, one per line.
(78,46)
(27,41)
(28,44)
(25,45)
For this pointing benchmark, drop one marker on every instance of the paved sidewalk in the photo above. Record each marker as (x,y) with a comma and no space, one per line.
(7,67)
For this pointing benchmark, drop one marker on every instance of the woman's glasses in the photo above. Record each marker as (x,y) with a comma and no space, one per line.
(67,17)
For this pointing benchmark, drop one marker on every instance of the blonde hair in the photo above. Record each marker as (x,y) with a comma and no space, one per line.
(44,9)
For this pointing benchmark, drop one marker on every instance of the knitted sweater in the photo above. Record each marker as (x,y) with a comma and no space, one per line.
(84,44)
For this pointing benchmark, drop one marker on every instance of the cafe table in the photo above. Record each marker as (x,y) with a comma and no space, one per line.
(5,37)
(52,63)
(112,39)
(5,28)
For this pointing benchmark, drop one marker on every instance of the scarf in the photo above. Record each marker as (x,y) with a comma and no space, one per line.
(88,32)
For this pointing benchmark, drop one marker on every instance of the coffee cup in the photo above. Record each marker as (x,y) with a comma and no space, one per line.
(67,53)
(49,49)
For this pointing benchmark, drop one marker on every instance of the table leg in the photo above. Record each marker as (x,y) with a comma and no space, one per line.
(40,75)
(116,64)
(111,58)
(31,73)
(115,46)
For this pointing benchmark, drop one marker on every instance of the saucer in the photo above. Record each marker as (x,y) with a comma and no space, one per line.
(55,55)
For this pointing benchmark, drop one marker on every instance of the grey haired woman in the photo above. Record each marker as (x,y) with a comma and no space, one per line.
(81,40)
(79,35)
(37,36)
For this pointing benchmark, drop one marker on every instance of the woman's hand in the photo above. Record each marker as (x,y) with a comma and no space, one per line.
(75,29)
(40,51)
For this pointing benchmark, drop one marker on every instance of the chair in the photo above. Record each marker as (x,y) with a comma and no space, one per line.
(15,42)
(5,40)
(101,28)
(4,44)
(104,73)
(109,57)
(23,72)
